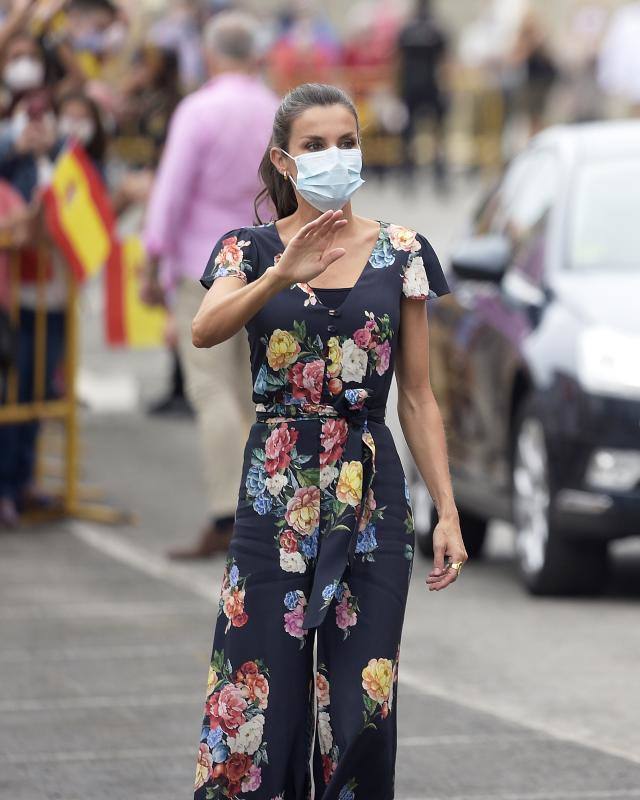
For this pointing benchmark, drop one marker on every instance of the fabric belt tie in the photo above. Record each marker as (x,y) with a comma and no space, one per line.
(336,548)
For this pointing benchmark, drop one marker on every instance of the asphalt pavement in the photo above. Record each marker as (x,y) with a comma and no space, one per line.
(105,643)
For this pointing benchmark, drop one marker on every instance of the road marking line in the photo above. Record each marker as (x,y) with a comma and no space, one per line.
(163,569)
(420,684)
(115,392)
(153,564)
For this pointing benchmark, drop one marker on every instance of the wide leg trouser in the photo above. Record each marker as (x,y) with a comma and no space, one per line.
(279,724)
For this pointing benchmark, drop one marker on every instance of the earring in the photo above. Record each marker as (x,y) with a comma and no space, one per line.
(285,175)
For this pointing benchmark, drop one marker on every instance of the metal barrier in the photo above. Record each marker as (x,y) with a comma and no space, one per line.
(71,499)
(477,119)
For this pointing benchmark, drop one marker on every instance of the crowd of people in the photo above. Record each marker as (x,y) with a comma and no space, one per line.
(113,77)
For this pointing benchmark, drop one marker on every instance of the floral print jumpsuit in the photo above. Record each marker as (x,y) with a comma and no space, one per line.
(323,539)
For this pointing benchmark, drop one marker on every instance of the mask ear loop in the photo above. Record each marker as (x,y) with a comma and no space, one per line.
(286,175)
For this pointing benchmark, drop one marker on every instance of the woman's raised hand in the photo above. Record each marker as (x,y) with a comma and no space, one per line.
(310,251)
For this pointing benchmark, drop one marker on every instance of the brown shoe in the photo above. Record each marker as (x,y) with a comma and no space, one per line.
(214,539)
(35,500)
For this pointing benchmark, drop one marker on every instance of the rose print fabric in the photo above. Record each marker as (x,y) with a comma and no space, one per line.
(322,549)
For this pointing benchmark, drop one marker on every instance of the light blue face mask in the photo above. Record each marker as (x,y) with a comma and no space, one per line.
(327,178)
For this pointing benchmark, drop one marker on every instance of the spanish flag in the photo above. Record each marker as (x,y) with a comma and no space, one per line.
(129,321)
(79,214)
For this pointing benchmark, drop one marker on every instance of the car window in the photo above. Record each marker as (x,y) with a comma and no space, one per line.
(483,220)
(604,233)
(533,196)
(526,197)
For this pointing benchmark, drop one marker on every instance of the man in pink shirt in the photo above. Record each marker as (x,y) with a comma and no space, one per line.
(206,184)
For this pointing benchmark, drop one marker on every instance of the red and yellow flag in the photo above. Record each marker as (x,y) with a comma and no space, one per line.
(129,321)
(79,214)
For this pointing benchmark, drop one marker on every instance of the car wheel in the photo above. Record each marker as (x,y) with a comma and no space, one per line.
(548,562)
(425,519)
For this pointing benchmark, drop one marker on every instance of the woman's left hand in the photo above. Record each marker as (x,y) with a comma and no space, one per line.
(447,545)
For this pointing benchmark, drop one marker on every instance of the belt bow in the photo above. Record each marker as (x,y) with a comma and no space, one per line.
(337,547)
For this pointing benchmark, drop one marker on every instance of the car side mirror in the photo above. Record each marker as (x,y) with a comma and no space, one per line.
(482,258)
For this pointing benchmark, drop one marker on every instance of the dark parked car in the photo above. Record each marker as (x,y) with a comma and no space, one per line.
(536,358)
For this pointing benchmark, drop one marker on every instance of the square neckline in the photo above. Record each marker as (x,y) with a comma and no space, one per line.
(351,288)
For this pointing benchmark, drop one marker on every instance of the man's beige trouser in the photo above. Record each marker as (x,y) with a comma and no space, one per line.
(218,385)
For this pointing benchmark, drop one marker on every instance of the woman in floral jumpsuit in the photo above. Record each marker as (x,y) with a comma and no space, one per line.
(323,544)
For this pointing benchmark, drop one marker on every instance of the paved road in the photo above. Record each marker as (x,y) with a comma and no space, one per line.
(105,643)
(105,647)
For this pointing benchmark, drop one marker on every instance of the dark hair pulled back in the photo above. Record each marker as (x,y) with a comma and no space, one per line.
(294,103)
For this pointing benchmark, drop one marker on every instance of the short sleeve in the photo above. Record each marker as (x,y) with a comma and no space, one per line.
(233,254)
(423,276)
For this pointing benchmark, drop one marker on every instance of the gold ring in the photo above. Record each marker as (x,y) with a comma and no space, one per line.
(457,565)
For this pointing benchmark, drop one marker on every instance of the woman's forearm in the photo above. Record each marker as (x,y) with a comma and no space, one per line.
(223,313)
(220,317)
(423,429)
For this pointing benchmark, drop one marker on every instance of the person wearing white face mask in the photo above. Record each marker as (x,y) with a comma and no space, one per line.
(23,65)
(79,120)
(29,144)
(327,178)
(35,27)
(28,136)
(95,31)
(23,73)
(333,304)
(81,130)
